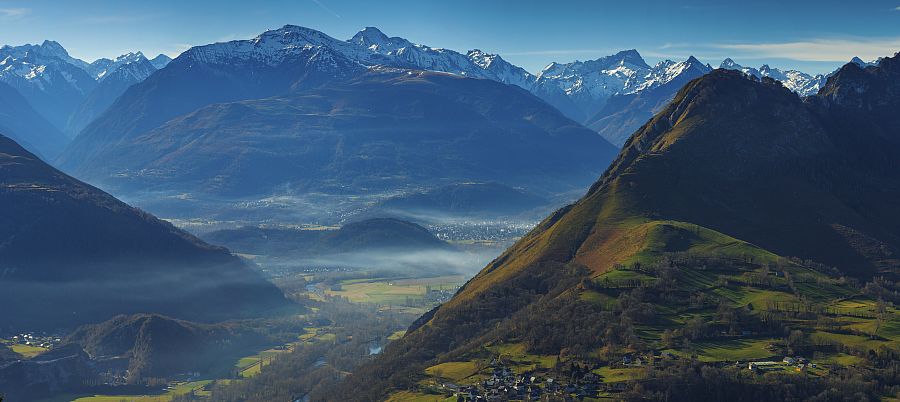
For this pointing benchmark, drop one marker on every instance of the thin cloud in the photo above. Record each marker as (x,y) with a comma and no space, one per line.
(818,49)
(328,10)
(231,37)
(897,8)
(14,13)
(114,19)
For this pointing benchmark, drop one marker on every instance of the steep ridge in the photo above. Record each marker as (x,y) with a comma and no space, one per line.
(801,83)
(730,160)
(53,82)
(152,345)
(53,372)
(72,254)
(271,64)
(66,91)
(114,78)
(623,114)
(21,122)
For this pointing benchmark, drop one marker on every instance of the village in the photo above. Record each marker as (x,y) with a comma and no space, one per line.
(504,385)
(492,231)
(32,340)
(579,382)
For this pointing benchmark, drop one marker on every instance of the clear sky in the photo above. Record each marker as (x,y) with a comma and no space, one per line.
(814,36)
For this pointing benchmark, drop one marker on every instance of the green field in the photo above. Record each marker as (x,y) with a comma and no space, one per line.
(392,290)
(730,350)
(618,374)
(407,396)
(27,351)
(456,371)
(860,343)
(251,365)
(675,236)
(178,389)
(517,354)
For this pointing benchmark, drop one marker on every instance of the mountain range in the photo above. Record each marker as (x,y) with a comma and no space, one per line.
(295,108)
(21,122)
(735,175)
(70,93)
(71,254)
(66,91)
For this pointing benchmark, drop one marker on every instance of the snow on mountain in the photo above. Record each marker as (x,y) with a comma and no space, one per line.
(53,82)
(102,68)
(496,68)
(275,47)
(58,85)
(590,84)
(114,77)
(476,63)
(667,71)
(375,40)
(598,78)
(42,66)
(48,50)
(579,89)
(802,83)
(625,111)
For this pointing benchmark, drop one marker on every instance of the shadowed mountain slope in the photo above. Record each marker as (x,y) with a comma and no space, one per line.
(72,254)
(152,345)
(383,129)
(21,122)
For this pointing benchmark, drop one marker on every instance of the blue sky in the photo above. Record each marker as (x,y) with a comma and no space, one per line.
(814,36)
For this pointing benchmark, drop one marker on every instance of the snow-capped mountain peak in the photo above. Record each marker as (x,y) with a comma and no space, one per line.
(131,56)
(799,82)
(864,64)
(729,64)
(501,70)
(276,46)
(667,71)
(47,52)
(55,49)
(138,65)
(373,39)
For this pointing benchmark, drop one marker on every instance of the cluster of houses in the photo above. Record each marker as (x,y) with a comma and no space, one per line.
(38,341)
(438,296)
(494,231)
(113,377)
(504,385)
(798,363)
